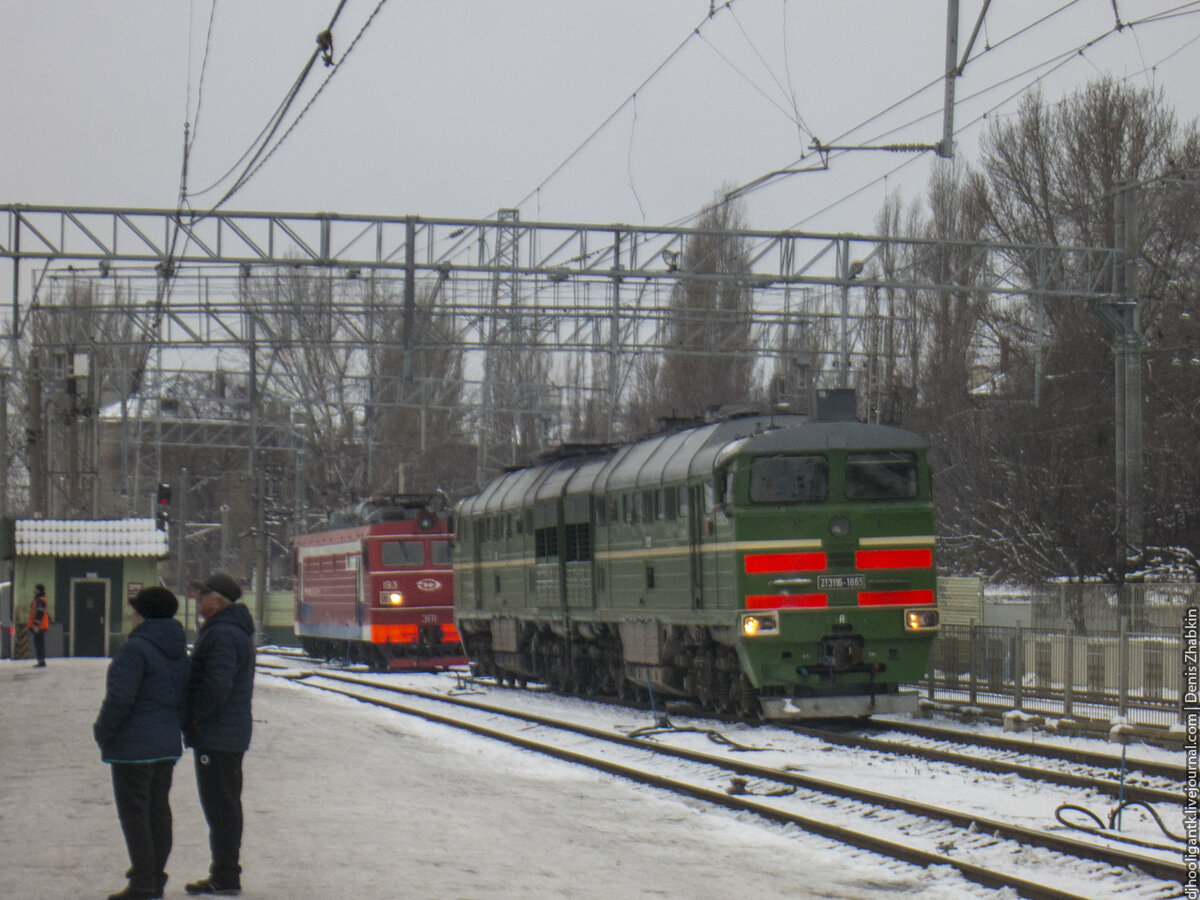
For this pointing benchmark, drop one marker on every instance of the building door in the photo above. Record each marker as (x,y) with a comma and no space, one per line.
(89,604)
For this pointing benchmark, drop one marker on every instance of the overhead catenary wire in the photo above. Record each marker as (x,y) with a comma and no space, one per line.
(787,68)
(788,92)
(195,116)
(1056,62)
(695,32)
(771,100)
(797,165)
(307,106)
(258,154)
(845,135)
(265,144)
(794,116)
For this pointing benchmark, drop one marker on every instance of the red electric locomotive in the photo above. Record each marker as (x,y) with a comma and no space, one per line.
(377,587)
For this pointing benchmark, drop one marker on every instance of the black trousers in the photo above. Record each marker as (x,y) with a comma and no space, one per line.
(39,647)
(142,792)
(219,782)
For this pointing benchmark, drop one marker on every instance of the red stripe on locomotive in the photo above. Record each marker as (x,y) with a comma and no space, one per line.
(894,598)
(786,601)
(762,563)
(919,558)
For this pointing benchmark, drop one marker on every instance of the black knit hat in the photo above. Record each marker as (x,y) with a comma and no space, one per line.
(155,603)
(220,583)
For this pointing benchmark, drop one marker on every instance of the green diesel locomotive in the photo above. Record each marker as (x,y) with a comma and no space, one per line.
(773,565)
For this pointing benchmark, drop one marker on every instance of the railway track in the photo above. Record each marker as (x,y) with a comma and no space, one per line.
(899,828)
(1028,745)
(1143,781)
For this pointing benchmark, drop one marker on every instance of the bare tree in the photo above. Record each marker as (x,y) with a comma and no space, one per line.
(84,349)
(310,361)
(709,360)
(1030,456)
(415,429)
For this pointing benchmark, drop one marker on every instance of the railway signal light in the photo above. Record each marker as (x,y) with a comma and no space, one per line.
(162,507)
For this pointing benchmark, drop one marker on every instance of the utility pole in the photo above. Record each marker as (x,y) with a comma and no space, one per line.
(945,148)
(844,276)
(1123,315)
(179,530)
(256,473)
(614,340)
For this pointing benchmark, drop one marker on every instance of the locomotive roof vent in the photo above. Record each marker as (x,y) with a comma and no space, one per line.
(574,450)
(398,507)
(836,405)
(735,411)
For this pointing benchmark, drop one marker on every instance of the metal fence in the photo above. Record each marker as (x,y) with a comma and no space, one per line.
(1092,676)
(1096,609)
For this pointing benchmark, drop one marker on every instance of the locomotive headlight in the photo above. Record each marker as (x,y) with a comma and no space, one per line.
(395,598)
(760,624)
(920,619)
(839,526)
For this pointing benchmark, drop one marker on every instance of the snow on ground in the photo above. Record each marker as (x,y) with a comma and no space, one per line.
(347,801)
(1003,797)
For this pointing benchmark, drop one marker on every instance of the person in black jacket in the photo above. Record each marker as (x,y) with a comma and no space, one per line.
(218,724)
(138,733)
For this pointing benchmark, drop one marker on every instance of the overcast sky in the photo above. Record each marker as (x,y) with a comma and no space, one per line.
(458,108)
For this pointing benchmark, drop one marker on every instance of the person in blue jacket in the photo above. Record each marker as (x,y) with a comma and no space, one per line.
(218,724)
(138,732)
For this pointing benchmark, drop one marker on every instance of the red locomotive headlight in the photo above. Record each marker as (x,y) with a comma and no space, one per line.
(391,598)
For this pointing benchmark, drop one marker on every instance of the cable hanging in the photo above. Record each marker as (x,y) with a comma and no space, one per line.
(265,143)
(695,32)
(1055,63)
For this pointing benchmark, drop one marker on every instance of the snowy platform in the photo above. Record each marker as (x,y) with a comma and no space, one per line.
(343,800)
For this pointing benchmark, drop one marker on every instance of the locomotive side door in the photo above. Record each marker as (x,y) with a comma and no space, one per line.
(477,534)
(354,561)
(696,520)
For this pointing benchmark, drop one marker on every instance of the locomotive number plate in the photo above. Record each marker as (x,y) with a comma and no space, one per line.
(838,582)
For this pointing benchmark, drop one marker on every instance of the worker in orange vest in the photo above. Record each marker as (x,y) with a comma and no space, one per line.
(39,622)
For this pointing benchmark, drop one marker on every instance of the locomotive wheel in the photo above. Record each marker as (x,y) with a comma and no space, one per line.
(726,694)
(623,687)
(748,706)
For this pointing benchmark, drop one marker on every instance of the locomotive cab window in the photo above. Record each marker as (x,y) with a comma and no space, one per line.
(722,490)
(885,475)
(441,553)
(394,554)
(789,479)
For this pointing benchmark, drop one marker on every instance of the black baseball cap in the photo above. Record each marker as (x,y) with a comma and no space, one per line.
(219,583)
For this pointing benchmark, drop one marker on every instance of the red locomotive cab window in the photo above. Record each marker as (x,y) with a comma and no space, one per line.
(441,552)
(397,554)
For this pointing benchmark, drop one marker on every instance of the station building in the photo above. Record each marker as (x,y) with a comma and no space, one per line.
(89,568)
